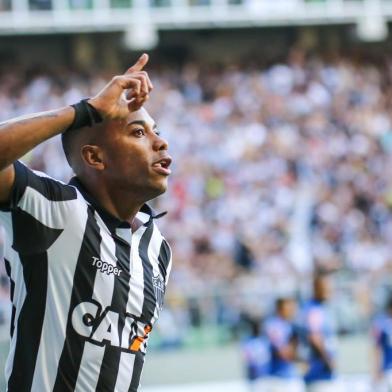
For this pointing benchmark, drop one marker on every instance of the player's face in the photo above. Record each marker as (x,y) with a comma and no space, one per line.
(136,157)
(323,288)
(288,310)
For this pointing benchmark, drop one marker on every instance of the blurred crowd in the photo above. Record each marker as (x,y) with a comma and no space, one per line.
(278,171)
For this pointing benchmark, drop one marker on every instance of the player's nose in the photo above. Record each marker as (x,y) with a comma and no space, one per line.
(160,144)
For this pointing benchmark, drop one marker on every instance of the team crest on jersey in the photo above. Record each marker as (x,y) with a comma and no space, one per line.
(159,289)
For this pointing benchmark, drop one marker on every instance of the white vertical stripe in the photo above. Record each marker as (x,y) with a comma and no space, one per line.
(153,254)
(136,282)
(90,367)
(19,298)
(20,287)
(91,361)
(6,221)
(169,267)
(154,248)
(169,263)
(125,234)
(125,372)
(62,260)
(104,283)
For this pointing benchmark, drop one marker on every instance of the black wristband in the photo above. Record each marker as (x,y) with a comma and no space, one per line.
(85,116)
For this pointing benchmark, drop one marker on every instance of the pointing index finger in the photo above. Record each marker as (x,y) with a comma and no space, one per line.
(139,65)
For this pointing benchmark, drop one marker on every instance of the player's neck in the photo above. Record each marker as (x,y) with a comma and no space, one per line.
(122,205)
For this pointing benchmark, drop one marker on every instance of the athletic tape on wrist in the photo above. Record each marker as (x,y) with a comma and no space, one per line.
(85,116)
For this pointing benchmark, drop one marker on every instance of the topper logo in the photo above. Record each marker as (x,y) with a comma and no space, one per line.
(103,266)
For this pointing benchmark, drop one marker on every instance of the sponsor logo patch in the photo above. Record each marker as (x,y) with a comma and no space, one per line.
(101,326)
(105,267)
(159,289)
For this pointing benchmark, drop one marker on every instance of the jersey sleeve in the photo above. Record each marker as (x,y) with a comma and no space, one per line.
(30,186)
(18,187)
(165,260)
(39,207)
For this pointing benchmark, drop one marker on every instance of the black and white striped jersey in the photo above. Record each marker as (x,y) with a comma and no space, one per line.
(85,289)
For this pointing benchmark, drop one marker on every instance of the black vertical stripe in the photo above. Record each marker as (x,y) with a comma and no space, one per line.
(8,270)
(164,258)
(40,237)
(12,291)
(48,187)
(30,321)
(111,359)
(149,300)
(137,371)
(82,290)
(12,322)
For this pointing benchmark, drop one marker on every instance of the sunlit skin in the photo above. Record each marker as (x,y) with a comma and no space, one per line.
(287,309)
(130,153)
(125,163)
(322,287)
(322,291)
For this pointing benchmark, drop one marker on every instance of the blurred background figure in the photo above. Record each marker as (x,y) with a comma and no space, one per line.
(256,356)
(283,338)
(320,333)
(382,333)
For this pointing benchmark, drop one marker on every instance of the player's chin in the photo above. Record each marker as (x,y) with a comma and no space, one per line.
(160,184)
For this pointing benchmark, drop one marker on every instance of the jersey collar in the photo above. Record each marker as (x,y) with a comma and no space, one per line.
(145,215)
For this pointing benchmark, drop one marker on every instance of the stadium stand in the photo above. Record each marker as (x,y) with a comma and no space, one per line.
(278,171)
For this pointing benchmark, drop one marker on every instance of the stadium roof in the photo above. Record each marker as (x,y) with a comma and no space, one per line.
(140,18)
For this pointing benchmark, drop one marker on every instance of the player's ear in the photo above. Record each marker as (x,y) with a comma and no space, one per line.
(92,156)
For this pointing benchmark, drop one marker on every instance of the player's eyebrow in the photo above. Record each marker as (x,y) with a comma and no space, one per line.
(142,123)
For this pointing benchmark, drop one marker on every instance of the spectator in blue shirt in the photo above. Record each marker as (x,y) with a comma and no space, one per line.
(283,339)
(320,336)
(382,333)
(256,355)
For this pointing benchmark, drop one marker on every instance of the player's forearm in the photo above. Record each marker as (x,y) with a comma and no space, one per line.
(287,353)
(318,345)
(20,135)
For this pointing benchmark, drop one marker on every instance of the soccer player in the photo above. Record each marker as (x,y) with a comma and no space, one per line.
(87,263)
(320,335)
(257,357)
(382,333)
(283,338)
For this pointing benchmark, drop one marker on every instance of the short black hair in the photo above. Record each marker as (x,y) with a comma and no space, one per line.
(322,273)
(281,301)
(66,141)
(71,139)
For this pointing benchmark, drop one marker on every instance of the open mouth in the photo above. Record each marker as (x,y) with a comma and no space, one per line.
(162,166)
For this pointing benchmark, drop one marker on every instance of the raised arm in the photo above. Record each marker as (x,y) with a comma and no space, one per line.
(20,135)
